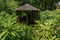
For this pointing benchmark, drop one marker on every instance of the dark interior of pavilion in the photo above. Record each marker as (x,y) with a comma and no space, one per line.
(30,17)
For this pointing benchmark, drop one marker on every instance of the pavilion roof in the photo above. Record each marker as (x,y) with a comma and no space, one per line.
(27,7)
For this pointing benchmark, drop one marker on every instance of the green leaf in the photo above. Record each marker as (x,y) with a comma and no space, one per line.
(2,34)
(4,37)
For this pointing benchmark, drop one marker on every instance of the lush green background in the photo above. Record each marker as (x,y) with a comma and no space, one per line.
(9,5)
(47,28)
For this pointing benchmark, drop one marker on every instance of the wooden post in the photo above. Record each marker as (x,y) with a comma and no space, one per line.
(27,19)
(18,19)
(34,15)
(31,16)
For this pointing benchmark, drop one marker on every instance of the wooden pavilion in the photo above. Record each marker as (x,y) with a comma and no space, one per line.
(31,12)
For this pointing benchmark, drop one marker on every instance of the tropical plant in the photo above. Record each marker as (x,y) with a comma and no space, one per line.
(11,30)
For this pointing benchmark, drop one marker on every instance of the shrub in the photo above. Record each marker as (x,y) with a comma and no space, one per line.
(45,29)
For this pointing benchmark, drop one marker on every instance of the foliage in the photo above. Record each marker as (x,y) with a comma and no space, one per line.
(41,4)
(8,5)
(11,30)
(47,28)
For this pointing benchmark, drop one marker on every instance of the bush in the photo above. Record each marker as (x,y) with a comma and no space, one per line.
(47,28)
(11,30)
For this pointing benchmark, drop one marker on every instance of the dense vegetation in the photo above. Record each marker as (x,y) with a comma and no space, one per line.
(47,27)
(9,5)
